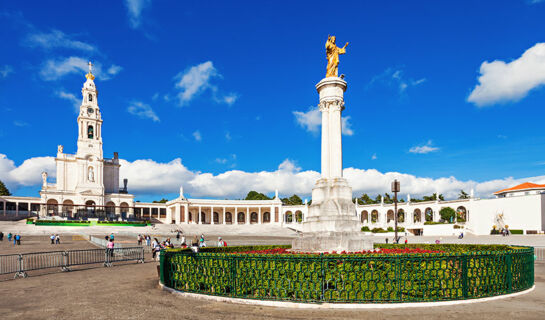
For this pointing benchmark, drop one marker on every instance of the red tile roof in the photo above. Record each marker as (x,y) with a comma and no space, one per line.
(524,186)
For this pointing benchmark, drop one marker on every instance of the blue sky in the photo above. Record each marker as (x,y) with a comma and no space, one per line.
(218,96)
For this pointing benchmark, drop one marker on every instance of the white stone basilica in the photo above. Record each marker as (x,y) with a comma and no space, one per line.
(86,179)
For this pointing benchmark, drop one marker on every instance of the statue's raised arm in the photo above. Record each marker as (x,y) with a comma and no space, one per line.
(332,54)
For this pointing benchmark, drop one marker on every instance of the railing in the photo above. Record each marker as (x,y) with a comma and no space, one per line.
(20,264)
(350,278)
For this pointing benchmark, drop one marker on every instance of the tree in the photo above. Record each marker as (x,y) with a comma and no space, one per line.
(4,190)
(447,214)
(463,195)
(378,199)
(254,195)
(365,199)
(163,200)
(292,201)
(387,198)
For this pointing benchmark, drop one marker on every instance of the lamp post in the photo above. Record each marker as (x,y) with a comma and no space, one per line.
(396,187)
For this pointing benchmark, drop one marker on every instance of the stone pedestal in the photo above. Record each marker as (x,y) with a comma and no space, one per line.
(332,223)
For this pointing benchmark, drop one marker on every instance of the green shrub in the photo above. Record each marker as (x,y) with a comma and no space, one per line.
(447,214)
(365,229)
(458,226)
(378,230)
(354,278)
(435,222)
(516,231)
(390,229)
(494,231)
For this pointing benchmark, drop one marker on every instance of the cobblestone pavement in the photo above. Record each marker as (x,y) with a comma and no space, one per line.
(131,291)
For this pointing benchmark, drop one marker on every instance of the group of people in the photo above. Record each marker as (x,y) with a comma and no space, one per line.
(141,238)
(55,239)
(16,238)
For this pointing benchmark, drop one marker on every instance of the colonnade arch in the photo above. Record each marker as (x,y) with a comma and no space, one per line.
(364,216)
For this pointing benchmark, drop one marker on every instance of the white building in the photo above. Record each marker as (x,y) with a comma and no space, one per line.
(86,181)
(87,185)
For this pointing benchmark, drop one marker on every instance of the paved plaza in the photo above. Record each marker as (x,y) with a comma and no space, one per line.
(130,291)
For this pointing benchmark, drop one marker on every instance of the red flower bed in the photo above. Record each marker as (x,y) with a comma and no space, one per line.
(371,252)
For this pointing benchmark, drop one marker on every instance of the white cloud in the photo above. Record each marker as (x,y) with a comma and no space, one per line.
(427,148)
(374,156)
(197,135)
(311,120)
(288,178)
(221,160)
(143,111)
(5,70)
(147,176)
(20,123)
(502,82)
(228,136)
(195,80)
(347,126)
(56,69)
(198,79)
(228,99)
(395,78)
(26,174)
(134,10)
(56,39)
(71,98)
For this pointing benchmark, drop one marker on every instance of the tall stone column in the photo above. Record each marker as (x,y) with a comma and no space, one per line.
(332,222)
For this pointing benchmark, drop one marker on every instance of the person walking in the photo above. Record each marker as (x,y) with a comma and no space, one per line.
(112,236)
(155,247)
(110,248)
(148,240)
(195,242)
(178,235)
(183,241)
(18,238)
(15,240)
(139,240)
(221,243)
(9,237)
(57,239)
(1,236)
(52,238)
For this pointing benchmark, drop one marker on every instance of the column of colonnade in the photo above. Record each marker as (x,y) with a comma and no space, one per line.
(234,210)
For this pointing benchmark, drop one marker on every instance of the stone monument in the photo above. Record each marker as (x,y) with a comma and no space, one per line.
(332,223)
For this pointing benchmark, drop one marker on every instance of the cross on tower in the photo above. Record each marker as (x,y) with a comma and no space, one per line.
(90,67)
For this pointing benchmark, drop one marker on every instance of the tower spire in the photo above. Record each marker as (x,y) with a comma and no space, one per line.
(90,75)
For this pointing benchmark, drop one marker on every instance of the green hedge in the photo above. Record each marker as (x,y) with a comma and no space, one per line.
(435,222)
(365,229)
(516,231)
(463,272)
(74,223)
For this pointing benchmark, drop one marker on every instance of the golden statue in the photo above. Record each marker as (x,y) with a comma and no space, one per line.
(332,53)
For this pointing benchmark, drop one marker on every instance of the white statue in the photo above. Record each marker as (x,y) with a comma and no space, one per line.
(91,176)
(409,197)
(44,179)
(60,148)
(181,191)
(472,193)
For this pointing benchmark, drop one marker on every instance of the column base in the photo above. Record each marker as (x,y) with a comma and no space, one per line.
(332,241)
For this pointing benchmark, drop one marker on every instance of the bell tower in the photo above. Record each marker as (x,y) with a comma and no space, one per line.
(89,120)
(89,155)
